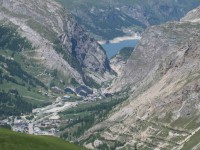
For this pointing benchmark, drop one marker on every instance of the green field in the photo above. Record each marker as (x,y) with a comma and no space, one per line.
(17,141)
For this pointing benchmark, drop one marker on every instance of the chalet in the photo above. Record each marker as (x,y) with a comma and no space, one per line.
(69,91)
(83,94)
(108,95)
(84,90)
(57,90)
(66,97)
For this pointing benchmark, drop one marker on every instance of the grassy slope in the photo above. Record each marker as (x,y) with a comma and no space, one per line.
(194,141)
(15,73)
(17,141)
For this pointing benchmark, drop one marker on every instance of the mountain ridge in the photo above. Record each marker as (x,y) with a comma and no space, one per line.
(162,75)
(43,31)
(43,50)
(154,99)
(117,18)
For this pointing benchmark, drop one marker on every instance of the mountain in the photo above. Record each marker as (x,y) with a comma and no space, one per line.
(107,19)
(58,42)
(42,46)
(153,103)
(163,79)
(14,141)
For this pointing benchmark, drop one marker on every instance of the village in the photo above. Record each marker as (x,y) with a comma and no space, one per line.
(46,120)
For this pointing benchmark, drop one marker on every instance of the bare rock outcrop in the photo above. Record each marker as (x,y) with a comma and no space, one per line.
(43,22)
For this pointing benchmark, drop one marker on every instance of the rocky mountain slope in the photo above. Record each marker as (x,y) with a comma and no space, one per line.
(163,76)
(117,17)
(117,63)
(60,44)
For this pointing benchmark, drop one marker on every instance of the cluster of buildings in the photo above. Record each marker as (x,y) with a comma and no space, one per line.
(20,125)
(48,126)
(86,93)
(17,124)
(38,131)
(81,91)
(45,127)
(5,123)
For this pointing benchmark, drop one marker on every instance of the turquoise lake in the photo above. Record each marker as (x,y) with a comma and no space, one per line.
(113,48)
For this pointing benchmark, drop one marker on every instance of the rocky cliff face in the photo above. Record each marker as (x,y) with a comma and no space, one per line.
(59,42)
(163,74)
(192,16)
(118,62)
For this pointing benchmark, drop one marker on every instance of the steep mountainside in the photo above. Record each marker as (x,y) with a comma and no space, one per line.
(43,48)
(163,75)
(118,62)
(192,16)
(17,86)
(59,43)
(108,19)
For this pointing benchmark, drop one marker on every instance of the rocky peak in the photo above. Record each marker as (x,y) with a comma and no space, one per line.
(192,16)
(151,53)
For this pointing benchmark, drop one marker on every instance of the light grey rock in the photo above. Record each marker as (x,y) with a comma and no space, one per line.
(43,22)
(192,16)
(163,73)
